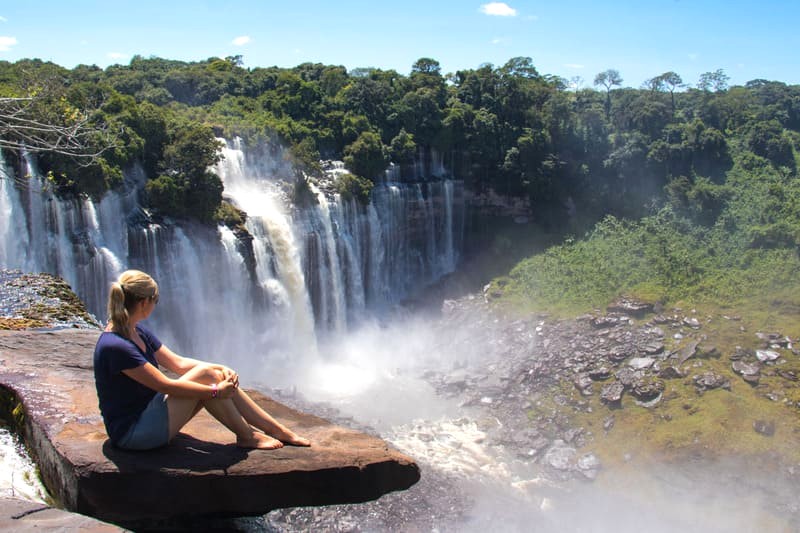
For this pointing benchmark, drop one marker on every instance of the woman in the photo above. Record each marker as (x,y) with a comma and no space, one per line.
(142,407)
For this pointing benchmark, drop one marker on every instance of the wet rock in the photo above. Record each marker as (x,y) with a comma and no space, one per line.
(611,393)
(588,465)
(600,373)
(647,388)
(768,339)
(791,375)
(653,348)
(764,427)
(707,351)
(687,352)
(692,322)
(767,355)
(618,354)
(641,363)
(670,372)
(630,306)
(608,321)
(740,353)
(608,423)
(628,376)
(560,456)
(455,383)
(746,369)
(574,436)
(710,380)
(583,383)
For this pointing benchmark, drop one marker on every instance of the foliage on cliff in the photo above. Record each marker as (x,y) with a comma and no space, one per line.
(739,248)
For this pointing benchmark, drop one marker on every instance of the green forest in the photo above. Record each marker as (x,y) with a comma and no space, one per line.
(681,188)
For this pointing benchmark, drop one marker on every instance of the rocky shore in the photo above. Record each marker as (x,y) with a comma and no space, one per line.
(29,301)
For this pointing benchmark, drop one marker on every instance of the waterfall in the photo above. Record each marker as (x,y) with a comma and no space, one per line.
(259,292)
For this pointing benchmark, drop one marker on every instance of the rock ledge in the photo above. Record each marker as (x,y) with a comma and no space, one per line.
(201,473)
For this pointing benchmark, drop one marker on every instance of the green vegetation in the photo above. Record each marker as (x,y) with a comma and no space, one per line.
(747,256)
(613,151)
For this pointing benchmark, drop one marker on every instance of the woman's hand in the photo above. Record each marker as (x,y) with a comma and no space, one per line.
(225,389)
(230,375)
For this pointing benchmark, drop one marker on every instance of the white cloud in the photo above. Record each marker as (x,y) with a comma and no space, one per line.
(3,19)
(6,43)
(573,65)
(116,55)
(241,40)
(693,56)
(498,9)
(501,40)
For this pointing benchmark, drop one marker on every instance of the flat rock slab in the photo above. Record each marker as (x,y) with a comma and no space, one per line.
(201,472)
(22,515)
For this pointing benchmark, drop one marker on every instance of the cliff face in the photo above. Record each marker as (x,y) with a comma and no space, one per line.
(48,374)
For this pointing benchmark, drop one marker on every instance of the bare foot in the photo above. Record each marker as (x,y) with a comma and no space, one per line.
(296,440)
(259,441)
(291,438)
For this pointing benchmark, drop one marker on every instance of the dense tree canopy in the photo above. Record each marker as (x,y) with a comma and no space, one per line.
(509,128)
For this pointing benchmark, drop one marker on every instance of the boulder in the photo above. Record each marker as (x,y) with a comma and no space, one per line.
(710,380)
(750,372)
(200,473)
(767,355)
(612,392)
(630,306)
(647,388)
(670,372)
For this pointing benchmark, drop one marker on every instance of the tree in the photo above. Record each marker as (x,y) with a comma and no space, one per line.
(366,157)
(520,67)
(186,188)
(716,81)
(672,81)
(576,83)
(403,149)
(608,79)
(41,123)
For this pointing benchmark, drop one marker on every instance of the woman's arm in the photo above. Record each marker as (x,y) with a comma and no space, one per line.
(174,362)
(180,365)
(153,378)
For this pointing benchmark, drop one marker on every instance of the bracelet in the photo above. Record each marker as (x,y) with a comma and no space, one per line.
(214,390)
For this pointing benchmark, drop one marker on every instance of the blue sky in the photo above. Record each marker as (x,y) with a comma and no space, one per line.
(569,38)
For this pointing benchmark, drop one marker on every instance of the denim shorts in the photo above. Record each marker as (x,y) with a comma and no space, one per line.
(151,430)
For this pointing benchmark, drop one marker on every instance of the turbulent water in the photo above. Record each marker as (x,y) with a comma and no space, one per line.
(18,478)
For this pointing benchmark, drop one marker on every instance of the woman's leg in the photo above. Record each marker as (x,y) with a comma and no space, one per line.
(259,418)
(181,410)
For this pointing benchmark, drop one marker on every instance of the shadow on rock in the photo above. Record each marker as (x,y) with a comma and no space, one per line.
(184,452)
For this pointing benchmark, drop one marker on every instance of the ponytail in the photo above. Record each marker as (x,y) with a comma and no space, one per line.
(132,287)
(117,313)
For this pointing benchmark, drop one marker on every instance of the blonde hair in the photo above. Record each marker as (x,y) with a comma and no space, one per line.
(131,287)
